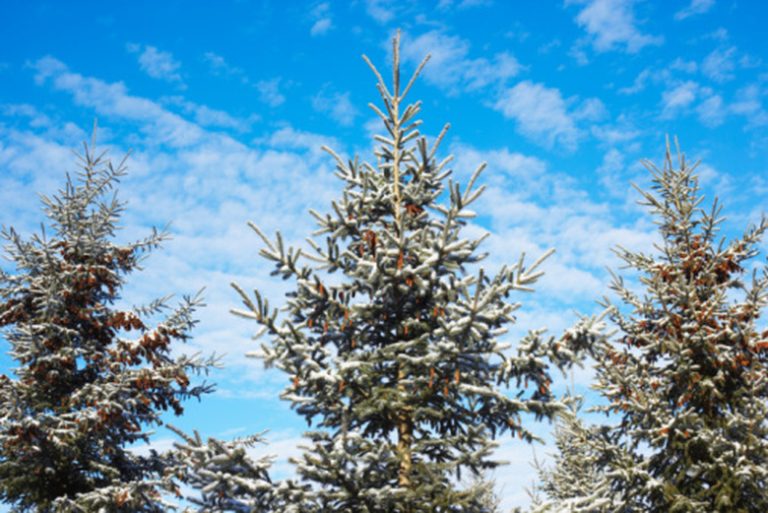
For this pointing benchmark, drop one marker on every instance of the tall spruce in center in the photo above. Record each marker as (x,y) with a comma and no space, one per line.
(398,360)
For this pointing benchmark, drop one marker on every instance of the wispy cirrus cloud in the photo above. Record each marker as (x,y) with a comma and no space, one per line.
(611,170)
(712,111)
(157,63)
(463,4)
(679,97)
(669,74)
(269,90)
(322,20)
(540,112)
(219,66)
(547,208)
(112,99)
(694,8)
(749,103)
(720,64)
(611,25)
(451,66)
(207,116)
(382,11)
(336,105)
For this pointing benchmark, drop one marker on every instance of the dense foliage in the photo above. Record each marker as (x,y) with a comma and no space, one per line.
(90,377)
(398,360)
(687,379)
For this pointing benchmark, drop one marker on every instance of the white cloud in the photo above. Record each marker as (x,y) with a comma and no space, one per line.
(712,178)
(290,138)
(610,171)
(749,104)
(694,8)
(720,34)
(540,113)
(591,109)
(336,105)
(611,25)
(219,65)
(620,132)
(28,162)
(451,68)
(640,82)
(548,47)
(383,11)
(669,75)
(209,117)
(267,89)
(531,207)
(719,64)
(205,183)
(520,173)
(481,72)
(680,64)
(577,52)
(156,63)
(113,99)
(711,111)
(323,22)
(269,92)
(679,97)
(26,110)
(462,4)
(747,61)
(44,124)
(321,26)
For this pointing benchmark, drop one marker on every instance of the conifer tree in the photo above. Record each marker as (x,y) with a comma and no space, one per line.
(488,499)
(573,478)
(398,361)
(687,380)
(224,476)
(90,377)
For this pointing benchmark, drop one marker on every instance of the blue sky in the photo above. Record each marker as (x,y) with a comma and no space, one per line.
(226,105)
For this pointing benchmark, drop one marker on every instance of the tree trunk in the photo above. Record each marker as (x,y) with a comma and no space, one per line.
(404,437)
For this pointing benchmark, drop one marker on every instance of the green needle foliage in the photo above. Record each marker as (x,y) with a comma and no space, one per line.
(687,379)
(574,477)
(223,475)
(398,360)
(90,377)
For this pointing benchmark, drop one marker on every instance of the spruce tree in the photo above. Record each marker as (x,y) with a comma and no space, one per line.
(489,500)
(573,478)
(90,377)
(687,379)
(223,475)
(398,360)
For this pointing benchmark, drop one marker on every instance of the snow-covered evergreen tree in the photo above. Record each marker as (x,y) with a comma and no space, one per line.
(398,360)
(488,499)
(224,476)
(573,478)
(687,380)
(90,377)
